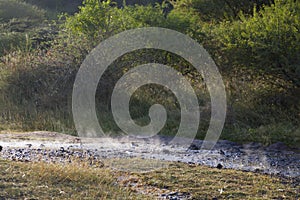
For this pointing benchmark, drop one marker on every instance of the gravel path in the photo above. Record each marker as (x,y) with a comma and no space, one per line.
(54,147)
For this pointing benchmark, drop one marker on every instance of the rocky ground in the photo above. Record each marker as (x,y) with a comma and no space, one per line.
(276,159)
(45,146)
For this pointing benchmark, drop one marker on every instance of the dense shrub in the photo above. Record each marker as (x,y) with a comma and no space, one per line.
(268,41)
(101,19)
(216,10)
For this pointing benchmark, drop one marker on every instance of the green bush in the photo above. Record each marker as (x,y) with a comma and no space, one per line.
(216,10)
(268,41)
(101,19)
(185,21)
(93,20)
(143,16)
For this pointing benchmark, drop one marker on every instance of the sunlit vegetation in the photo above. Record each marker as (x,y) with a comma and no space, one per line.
(254,43)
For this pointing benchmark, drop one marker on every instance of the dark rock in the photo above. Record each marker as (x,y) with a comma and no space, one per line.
(134,144)
(219,166)
(257,170)
(1,148)
(62,149)
(222,152)
(194,147)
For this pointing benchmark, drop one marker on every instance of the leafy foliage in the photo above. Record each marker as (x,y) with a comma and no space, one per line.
(268,41)
(216,10)
(98,19)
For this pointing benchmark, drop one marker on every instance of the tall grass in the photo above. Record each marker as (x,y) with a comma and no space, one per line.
(36,90)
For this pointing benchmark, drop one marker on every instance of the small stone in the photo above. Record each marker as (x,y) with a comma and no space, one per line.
(219,166)
(1,148)
(194,147)
(62,149)
(134,144)
(222,152)
(257,170)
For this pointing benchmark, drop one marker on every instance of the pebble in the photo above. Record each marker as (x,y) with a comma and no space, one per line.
(219,166)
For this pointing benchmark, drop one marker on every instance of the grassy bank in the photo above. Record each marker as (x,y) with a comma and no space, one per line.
(36,180)
(55,181)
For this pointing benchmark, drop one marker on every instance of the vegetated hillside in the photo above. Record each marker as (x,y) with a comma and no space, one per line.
(69,6)
(254,44)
